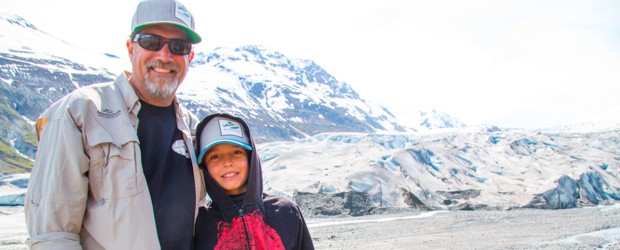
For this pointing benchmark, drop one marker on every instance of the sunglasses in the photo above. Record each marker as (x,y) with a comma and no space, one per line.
(155,43)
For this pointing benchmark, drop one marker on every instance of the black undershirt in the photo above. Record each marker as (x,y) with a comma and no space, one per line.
(169,175)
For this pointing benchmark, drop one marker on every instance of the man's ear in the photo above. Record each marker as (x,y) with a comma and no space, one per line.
(129,45)
(191,56)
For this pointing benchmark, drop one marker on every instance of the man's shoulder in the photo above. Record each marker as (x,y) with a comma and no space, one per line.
(104,90)
(99,92)
(97,88)
(85,98)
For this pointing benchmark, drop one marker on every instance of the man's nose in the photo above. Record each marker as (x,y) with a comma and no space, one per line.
(164,54)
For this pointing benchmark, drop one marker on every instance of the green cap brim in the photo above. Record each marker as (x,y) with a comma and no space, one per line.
(191,34)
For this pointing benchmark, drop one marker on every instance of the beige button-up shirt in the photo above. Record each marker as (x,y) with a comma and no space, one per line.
(87,187)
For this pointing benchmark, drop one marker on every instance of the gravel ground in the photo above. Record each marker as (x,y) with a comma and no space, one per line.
(583,228)
(12,228)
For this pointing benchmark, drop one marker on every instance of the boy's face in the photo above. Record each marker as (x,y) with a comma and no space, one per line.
(227,164)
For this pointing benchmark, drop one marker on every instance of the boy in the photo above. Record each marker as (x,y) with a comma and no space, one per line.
(241,216)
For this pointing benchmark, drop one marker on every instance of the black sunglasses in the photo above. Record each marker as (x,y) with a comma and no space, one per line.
(155,43)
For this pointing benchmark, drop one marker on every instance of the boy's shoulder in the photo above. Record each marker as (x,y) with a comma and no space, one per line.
(283,208)
(278,201)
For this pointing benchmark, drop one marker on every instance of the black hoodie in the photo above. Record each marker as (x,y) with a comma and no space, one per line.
(252,220)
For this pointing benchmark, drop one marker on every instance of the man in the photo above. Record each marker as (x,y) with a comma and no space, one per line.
(115,167)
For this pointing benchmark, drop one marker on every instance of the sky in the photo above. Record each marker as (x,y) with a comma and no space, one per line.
(510,63)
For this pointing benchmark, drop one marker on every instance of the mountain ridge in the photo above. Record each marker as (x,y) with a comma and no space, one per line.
(294,97)
(282,98)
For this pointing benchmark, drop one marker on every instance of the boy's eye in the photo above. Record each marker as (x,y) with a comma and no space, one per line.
(219,156)
(237,152)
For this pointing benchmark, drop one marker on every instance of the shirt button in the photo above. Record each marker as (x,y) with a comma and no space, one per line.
(101,201)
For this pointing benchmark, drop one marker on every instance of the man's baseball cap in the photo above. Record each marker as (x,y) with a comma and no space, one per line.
(222,130)
(151,12)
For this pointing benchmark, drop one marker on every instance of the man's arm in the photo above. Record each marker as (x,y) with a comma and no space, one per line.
(58,186)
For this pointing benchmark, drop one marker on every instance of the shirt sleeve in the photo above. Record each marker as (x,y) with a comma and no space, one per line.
(58,187)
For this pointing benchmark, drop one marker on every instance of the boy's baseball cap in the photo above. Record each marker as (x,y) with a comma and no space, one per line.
(222,130)
(151,12)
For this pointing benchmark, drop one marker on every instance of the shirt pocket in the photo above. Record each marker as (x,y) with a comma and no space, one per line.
(115,170)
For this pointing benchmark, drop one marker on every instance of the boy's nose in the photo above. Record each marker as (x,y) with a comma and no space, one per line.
(228,161)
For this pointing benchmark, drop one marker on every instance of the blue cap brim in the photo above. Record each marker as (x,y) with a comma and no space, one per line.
(203,152)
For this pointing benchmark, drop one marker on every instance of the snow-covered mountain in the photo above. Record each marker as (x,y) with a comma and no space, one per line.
(282,98)
(321,143)
(437,120)
(35,70)
(587,127)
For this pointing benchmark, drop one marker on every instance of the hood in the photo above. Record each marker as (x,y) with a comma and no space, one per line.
(252,199)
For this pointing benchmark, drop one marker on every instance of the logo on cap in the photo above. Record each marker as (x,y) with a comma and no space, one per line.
(230,128)
(183,14)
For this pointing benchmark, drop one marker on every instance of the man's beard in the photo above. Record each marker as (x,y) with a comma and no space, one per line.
(161,87)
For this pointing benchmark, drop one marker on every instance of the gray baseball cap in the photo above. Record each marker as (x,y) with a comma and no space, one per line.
(151,12)
(222,130)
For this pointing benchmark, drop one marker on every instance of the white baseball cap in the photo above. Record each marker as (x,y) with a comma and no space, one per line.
(151,12)
(222,130)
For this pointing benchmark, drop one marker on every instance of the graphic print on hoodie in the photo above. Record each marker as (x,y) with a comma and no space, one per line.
(233,235)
